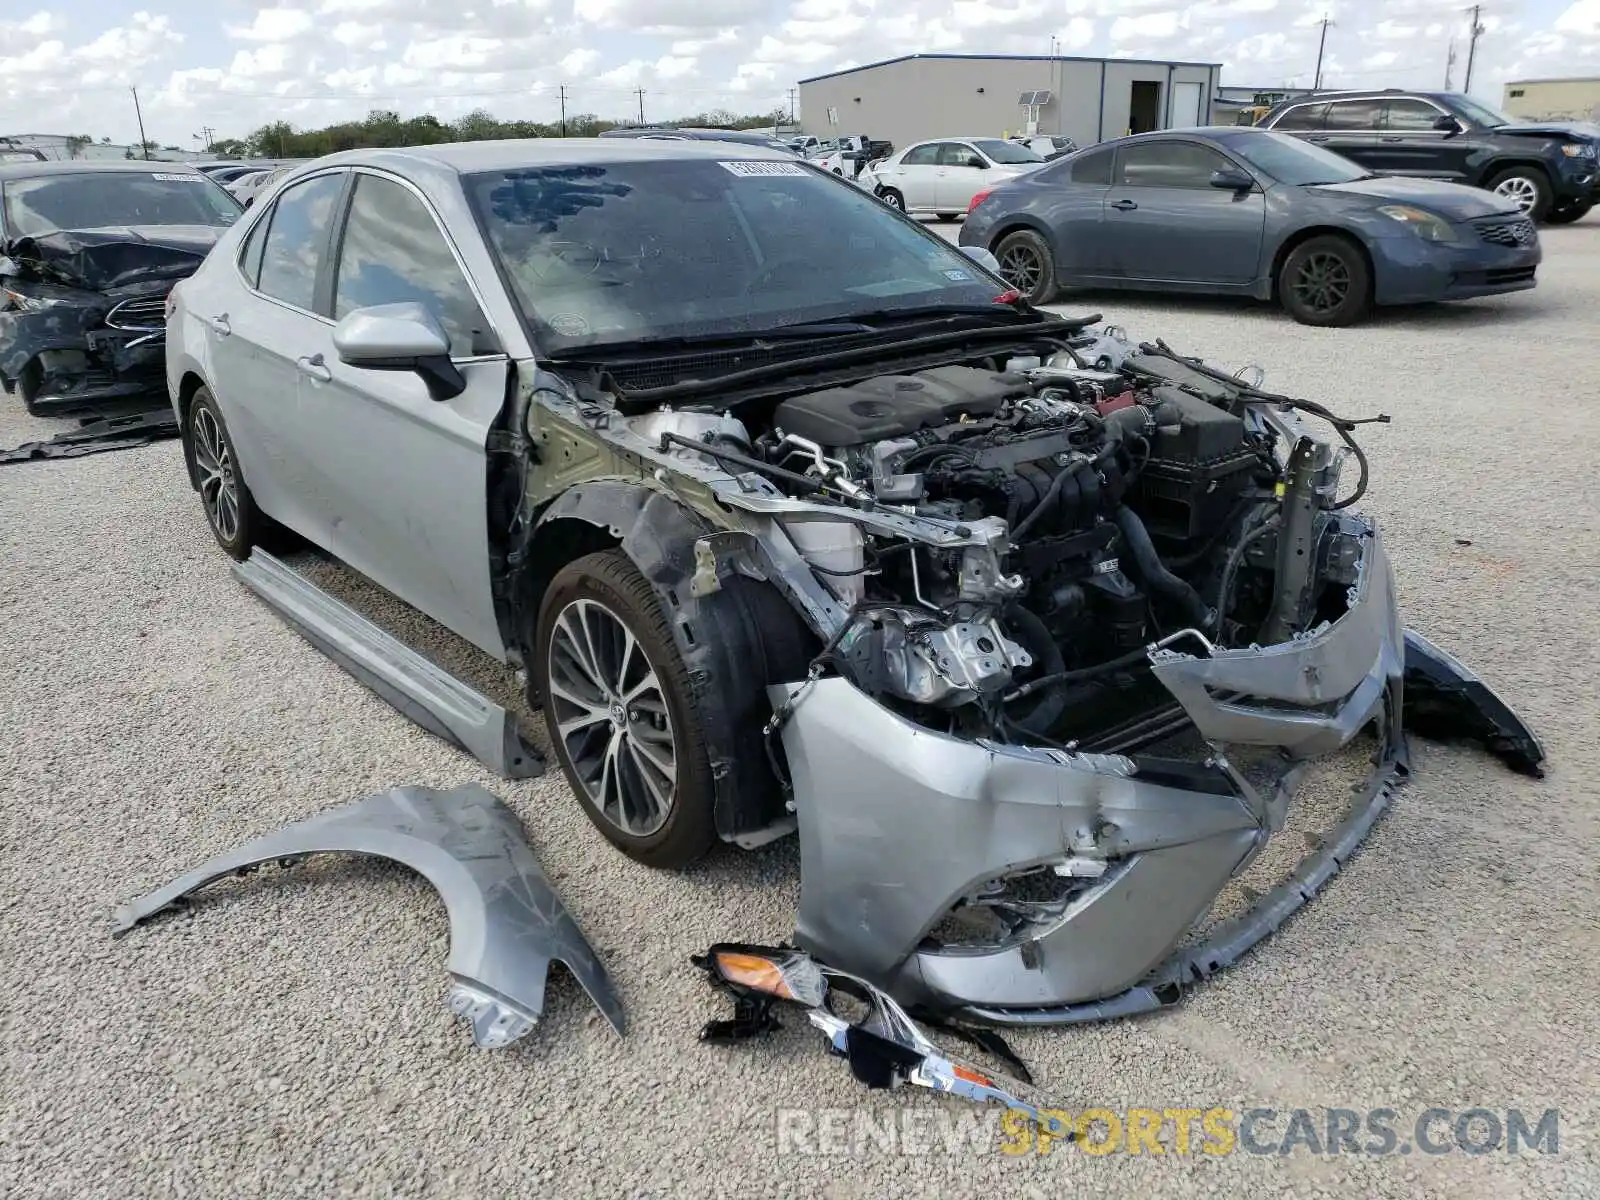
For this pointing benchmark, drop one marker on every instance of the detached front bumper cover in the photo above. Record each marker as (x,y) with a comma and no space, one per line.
(506,922)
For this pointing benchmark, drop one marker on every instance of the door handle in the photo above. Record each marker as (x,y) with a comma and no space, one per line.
(1392,139)
(219,325)
(1124,205)
(1320,137)
(314,367)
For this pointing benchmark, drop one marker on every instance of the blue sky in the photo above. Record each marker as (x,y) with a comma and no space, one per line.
(66,66)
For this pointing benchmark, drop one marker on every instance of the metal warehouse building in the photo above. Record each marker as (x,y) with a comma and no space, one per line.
(948,95)
(1553,99)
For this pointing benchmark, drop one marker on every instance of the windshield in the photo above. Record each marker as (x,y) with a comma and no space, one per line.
(998,151)
(102,200)
(1480,114)
(1289,160)
(611,253)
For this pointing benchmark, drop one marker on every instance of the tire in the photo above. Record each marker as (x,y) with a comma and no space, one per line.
(616,755)
(1569,214)
(1326,281)
(231,512)
(1526,187)
(1027,264)
(948,216)
(893,199)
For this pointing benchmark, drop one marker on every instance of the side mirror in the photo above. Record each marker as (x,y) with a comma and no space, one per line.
(975,161)
(1446,124)
(400,337)
(1232,179)
(983,258)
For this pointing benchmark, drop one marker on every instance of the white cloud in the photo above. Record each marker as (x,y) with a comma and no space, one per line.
(1583,19)
(275,25)
(1145,25)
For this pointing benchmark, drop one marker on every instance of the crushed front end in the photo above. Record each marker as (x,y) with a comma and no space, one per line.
(83,315)
(1089,614)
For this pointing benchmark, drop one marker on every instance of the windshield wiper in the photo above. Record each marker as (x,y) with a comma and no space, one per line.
(877,321)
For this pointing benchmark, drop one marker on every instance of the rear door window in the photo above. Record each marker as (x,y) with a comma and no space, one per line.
(1354,115)
(921,156)
(297,238)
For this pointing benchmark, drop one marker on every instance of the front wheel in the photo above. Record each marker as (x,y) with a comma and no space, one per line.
(893,199)
(1027,264)
(1527,188)
(618,705)
(1326,281)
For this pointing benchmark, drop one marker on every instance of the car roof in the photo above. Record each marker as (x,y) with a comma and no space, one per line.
(467,158)
(78,166)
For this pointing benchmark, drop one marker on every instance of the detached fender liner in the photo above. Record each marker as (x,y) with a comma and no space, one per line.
(506,922)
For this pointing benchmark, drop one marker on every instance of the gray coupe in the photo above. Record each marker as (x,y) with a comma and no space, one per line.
(1254,213)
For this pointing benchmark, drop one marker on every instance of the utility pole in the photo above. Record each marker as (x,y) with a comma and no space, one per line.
(210,135)
(1472,45)
(791,106)
(144,143)
(563,110)
(640,94)
(1450,66)
(1322,43)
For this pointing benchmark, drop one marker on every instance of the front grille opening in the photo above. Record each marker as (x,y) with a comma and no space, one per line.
(1010,909)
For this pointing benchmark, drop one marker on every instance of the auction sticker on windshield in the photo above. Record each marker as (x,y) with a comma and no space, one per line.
(179,178)
(757,170)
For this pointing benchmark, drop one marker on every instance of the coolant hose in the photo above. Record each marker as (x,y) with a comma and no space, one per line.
(1035,635)
(1153,572)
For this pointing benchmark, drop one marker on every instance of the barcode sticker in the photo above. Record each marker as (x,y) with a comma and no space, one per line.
(757,170)
(195,178)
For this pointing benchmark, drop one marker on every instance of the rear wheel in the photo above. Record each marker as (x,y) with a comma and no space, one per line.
(230,509)
(1027,264)
(618,705)
(1527,188)
(893,199)
(1569,213)
(1326,281)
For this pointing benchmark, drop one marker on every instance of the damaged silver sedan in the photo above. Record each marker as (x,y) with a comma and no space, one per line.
(1029,629)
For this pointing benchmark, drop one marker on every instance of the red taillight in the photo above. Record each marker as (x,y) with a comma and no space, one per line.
(979,199)
(1010,297)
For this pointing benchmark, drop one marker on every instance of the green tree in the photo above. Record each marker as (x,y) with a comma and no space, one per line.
(76,144)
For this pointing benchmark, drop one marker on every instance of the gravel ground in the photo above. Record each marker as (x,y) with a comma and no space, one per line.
(291,1038)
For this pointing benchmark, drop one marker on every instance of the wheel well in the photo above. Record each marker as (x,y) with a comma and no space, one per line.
(190,384)
(552,546)
(1497,169)
(1303,236)
(1006,231)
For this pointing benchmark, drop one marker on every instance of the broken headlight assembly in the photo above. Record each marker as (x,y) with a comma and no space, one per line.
(864,1025)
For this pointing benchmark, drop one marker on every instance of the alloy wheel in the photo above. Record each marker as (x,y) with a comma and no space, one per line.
(1520,190)
(219,486)
(1322,283)
(611,715)
(1021,268)
(892,199)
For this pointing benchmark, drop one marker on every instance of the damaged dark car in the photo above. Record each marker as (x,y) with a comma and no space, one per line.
(88,253)
(1028,628)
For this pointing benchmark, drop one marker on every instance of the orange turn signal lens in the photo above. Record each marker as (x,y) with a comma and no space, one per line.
(756,972)
(971,1076)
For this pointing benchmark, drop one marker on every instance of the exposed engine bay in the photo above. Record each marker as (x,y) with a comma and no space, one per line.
(1119,508)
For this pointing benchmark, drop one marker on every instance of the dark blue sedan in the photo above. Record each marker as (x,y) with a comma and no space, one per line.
(1253,213)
